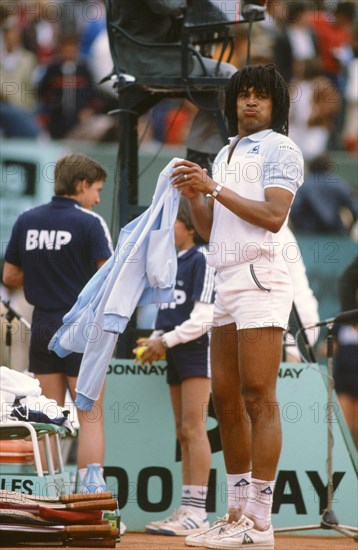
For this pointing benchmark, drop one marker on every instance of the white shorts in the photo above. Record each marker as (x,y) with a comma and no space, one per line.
(253,295)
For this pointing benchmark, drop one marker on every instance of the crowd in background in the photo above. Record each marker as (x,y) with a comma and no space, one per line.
(54,53)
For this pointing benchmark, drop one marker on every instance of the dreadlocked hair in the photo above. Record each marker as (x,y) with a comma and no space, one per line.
(263,79)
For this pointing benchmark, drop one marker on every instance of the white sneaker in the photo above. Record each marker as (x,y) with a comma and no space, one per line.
(242,533)
(189,522)
(154,526)
(217,528)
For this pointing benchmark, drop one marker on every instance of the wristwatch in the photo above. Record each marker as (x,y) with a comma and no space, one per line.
(164,342)
(216,190)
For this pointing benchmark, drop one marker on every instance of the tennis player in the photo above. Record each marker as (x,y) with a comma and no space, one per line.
(255,178)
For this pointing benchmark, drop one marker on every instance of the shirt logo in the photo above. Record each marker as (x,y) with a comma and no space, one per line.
(285,147)
(255,150)
(49,240)
(180,299)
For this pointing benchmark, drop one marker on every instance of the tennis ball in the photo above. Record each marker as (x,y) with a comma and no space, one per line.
(139,351)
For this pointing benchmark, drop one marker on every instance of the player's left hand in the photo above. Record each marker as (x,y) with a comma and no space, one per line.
(191,179)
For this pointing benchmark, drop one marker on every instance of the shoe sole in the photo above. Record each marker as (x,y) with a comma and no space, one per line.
(183,533)
(152,530)
(196,544)
(218,546)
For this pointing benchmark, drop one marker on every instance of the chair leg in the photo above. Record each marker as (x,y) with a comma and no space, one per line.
(48,454)
(60,465)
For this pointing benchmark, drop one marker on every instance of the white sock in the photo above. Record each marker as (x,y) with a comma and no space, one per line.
(237,489)
(259,505)
(197,502)
(185,498)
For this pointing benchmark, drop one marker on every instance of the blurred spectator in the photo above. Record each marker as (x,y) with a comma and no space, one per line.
(17,94)
(334,35)
(346,355)
(314,103)
(91,22)
(17,123)
(263,36)
(324,203)
(171,120)
(16,67)
(295,41)
(42,23)
(67,92)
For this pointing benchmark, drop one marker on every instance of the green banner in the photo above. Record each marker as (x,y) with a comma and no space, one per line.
(142,463)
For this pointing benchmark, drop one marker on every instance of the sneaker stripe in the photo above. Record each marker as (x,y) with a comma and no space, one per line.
(189,523)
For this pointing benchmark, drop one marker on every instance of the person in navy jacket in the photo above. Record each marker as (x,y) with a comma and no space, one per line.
(53,251)
(181,332)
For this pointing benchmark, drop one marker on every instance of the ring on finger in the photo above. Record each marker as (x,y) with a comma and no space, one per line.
(186,177)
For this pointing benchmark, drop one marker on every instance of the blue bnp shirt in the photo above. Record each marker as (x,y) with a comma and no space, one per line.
(57,246)
(192,285)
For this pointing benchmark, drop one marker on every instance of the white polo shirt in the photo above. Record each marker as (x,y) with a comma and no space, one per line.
(261,160)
